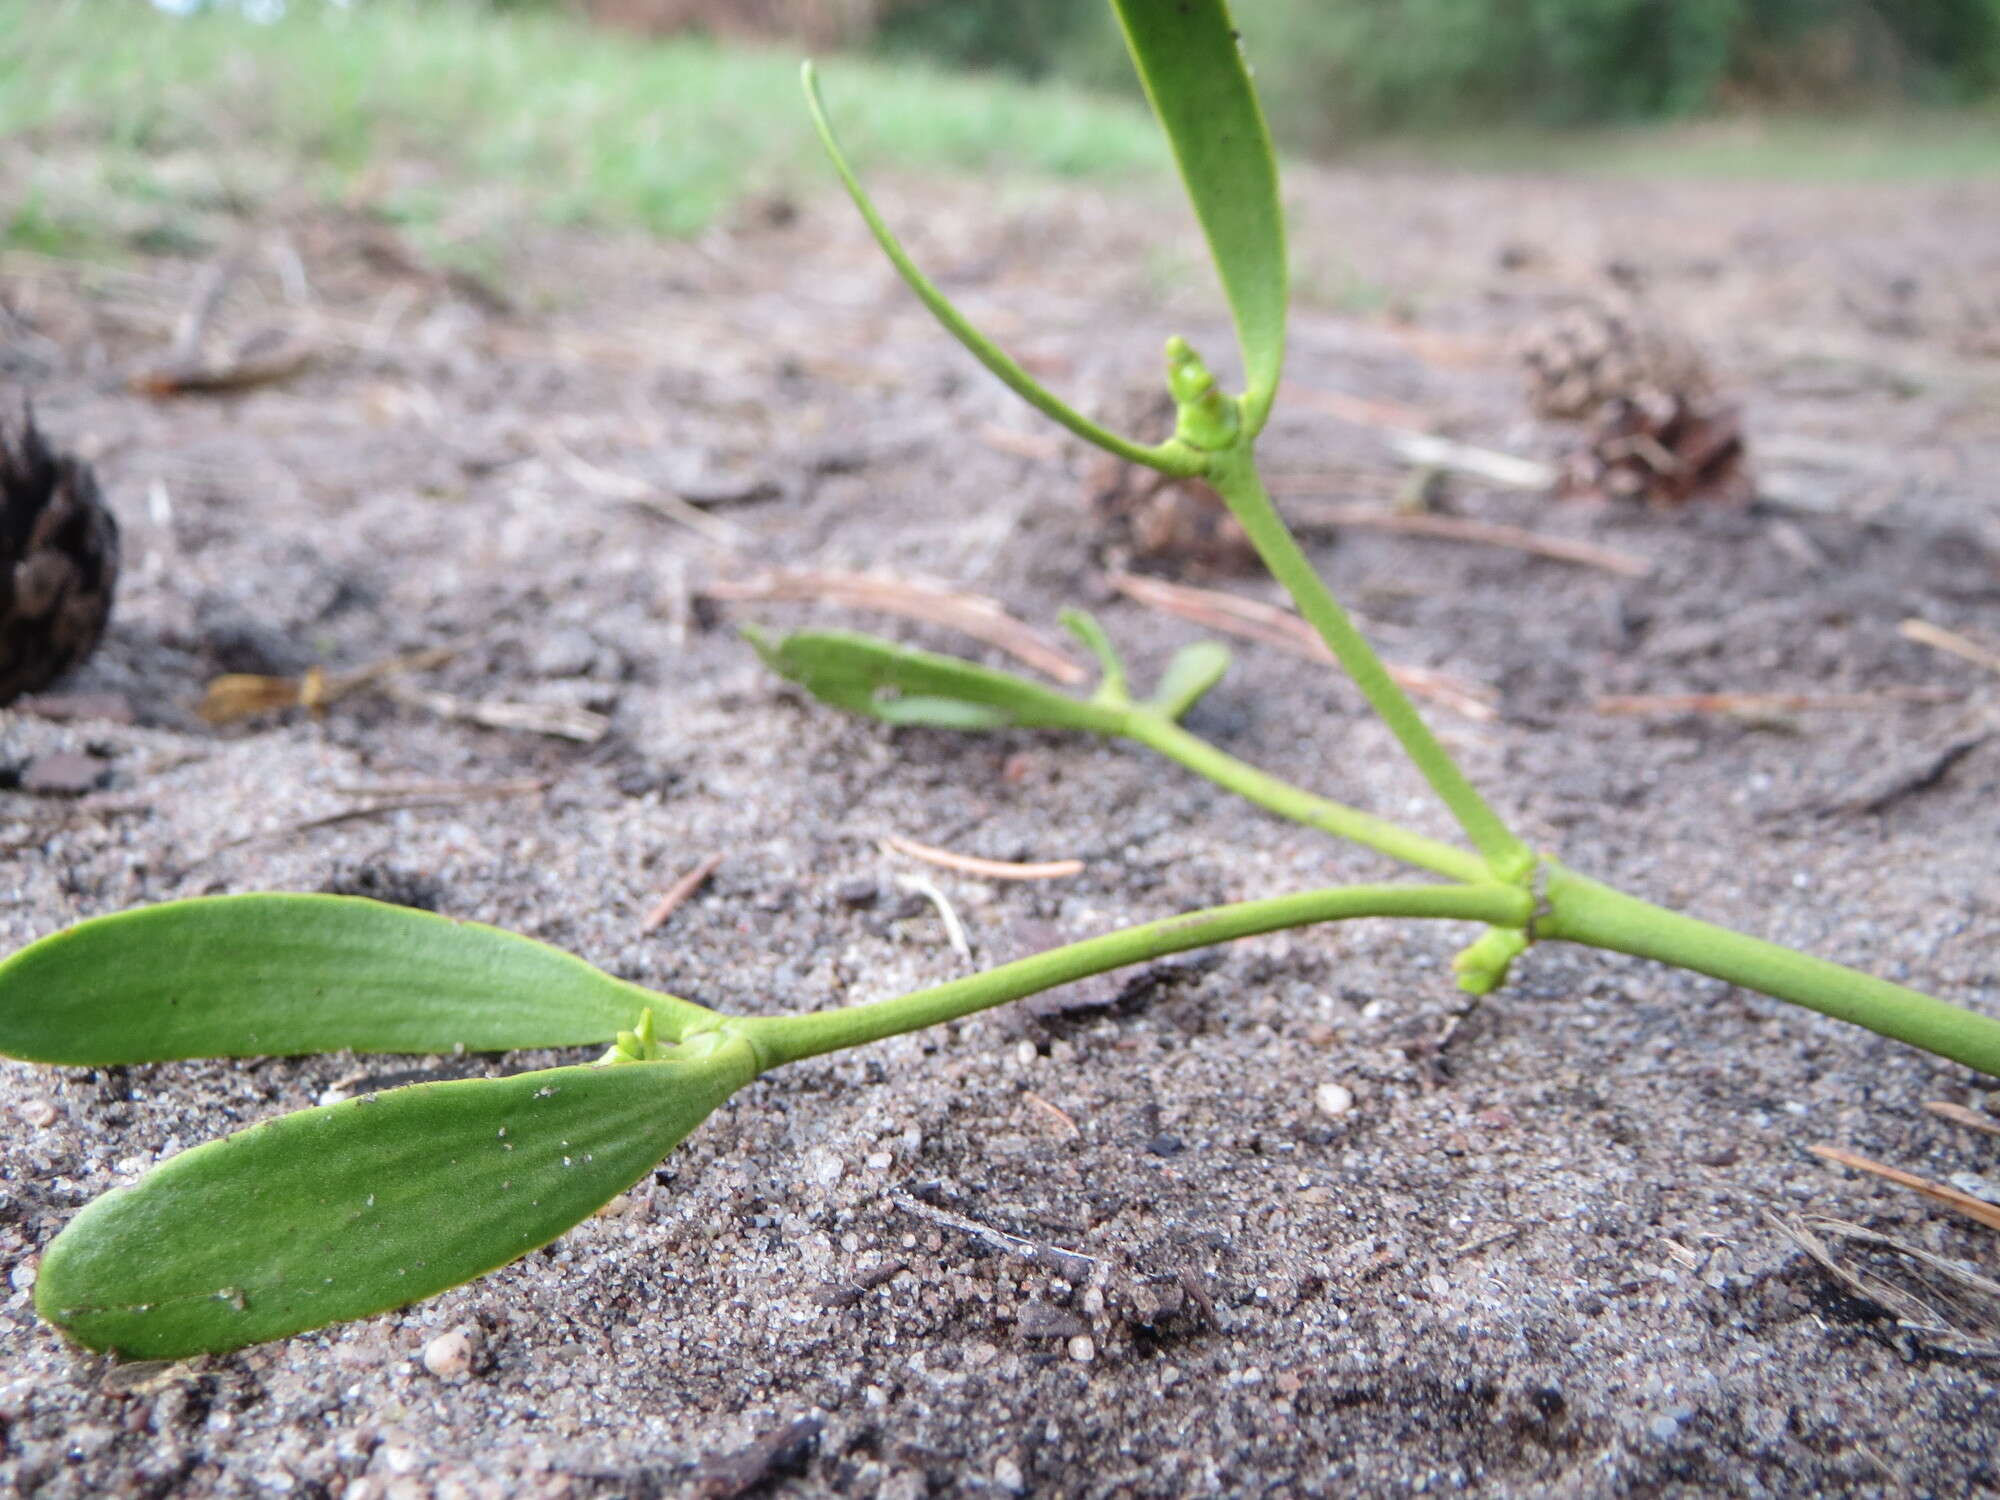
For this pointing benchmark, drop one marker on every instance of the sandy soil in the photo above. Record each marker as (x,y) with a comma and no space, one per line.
(1542,1253)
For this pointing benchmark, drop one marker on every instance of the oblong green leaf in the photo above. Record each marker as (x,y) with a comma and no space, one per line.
(277,974)
(1195,669)
(898,685)
(358,1207)
(1188,57)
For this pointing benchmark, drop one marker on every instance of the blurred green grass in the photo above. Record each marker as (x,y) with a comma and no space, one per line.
(416,104)
(123,129)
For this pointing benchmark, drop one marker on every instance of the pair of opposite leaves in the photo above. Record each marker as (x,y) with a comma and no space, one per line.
(373,1202)
(355,1207)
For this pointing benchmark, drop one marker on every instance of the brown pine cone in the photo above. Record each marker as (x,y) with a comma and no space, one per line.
(1147,516)
(58,561)
(1593,353)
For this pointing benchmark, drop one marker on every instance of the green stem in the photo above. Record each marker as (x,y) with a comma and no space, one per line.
(1168,458)
(782,1039)
(1157,732)
(1234,475)
(1580,910)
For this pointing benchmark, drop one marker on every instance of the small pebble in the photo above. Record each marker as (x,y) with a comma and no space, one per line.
(1666,1428)
(1165,1144)
(39,1113)
(449,1355)
(1333,1099)
(64,774)
(22,1276)
(857,895)
(1082,1349)
(1007,1475)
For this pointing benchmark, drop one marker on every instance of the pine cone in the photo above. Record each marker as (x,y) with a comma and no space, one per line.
(1657,431)
(1591,354)
(1148,516)
(58,561)
(1665,451)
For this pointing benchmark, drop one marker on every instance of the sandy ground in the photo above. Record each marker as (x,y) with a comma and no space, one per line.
(1542,1253)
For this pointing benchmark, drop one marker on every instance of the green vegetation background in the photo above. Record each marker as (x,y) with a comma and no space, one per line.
(1336,66)
(456,116)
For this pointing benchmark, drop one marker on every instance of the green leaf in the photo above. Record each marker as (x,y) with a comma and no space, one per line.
(1187,55)
(259,975)
(898,685)
(358,1207)
(1112,688)
(1193,671)
(1167,458)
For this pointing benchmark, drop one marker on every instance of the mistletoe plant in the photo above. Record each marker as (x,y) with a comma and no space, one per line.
(371,1203)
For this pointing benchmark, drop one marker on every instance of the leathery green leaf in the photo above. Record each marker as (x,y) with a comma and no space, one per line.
(358,1207)
(898,685)
(259,975)
(1187,55)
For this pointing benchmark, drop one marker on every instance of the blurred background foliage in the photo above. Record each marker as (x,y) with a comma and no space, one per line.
(457,118)
(1330,68)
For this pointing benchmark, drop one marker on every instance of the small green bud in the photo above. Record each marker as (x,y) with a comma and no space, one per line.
(638,1045)
(1208,419)
(1482,967)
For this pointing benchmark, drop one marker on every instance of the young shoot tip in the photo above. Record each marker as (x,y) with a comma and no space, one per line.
(1209,420)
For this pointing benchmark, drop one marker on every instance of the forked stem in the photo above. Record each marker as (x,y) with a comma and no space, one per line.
(1233,473)
(1574,908)
(783,1039)
(1157,732)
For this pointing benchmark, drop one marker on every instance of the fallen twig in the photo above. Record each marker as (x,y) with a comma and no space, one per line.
(562,720)
(251,367)
(1976,1209)
(972,864)
(678,892)
(1770,703)
(1458,529)
(776,1454)
(1503,469)
(1059,1116)
(444,795)
(653,497)
(1483,1241)
(954,930)
(241,695)
(1909,1310)
(976,616)
(1073,1265)
(1958,1114)
(1277,626)
(1936,636)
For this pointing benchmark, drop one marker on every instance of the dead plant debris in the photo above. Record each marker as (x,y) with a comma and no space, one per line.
(1275,625)
(938,604)
(986,869)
